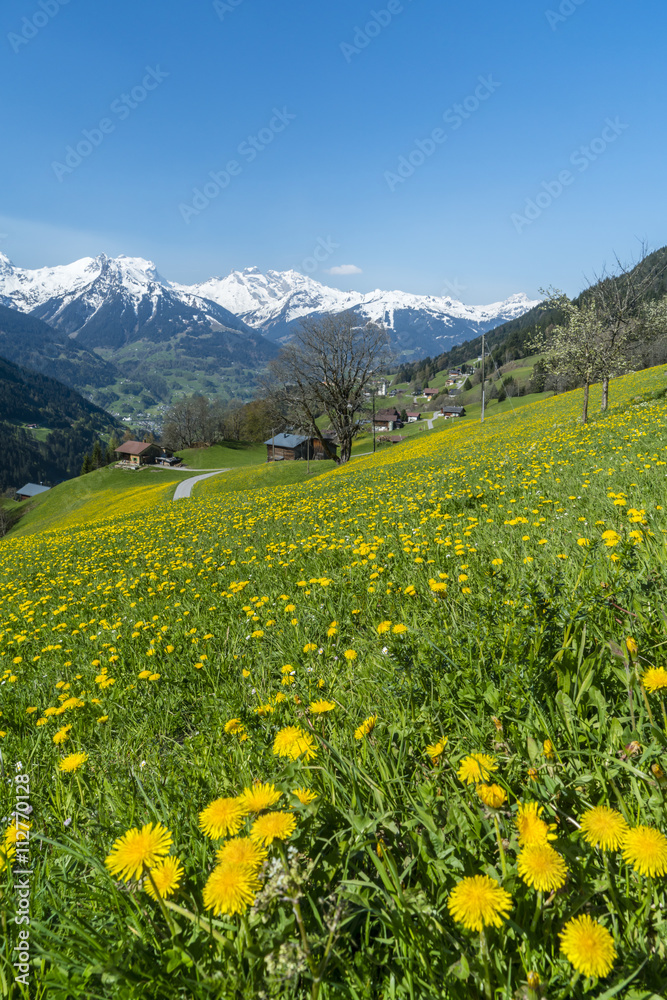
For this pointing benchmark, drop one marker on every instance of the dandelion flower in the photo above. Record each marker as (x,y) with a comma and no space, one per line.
(655,679)
(492,796)
(61,735)
(399,629)
(167,877)
(221,817)
(350,654)
(478,902)
(366,727)
(273,826)
(434,750)
(230,889)
(138,849)
(258,797)
(603,827)
(243,852)
(304,795)
(475,768)
(610,538)
(319,707)
(548,748)
(72,762)
(541,867)
(645,848)
(293,742)
(383,627)
(588,946)
(532,828)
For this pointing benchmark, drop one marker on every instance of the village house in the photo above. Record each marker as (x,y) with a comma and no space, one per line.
(413,416)
(31,490)
(297,447)
(453,411)
(387,420)
(431,393)
(138,452)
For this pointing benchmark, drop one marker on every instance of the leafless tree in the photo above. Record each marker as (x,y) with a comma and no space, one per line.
(325,370)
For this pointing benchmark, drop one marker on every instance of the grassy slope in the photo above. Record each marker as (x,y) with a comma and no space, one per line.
(231,454)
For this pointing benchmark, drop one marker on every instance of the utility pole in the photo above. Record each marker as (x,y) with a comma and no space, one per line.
(373,394)
(483,380)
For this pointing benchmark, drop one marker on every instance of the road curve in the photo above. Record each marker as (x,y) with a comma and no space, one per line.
(184,489)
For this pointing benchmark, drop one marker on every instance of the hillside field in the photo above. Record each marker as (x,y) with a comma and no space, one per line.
(390,730)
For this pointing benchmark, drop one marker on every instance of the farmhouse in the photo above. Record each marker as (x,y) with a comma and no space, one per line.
(138,452)
(387,420)
(296,447)
(430,393)
(31,490)
(453,411)
(413,416)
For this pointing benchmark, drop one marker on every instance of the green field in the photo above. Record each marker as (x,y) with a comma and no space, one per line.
(395,729)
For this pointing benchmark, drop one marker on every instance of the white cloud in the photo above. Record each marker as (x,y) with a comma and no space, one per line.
(345,269)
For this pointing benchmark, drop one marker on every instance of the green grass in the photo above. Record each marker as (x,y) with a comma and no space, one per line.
(231,454)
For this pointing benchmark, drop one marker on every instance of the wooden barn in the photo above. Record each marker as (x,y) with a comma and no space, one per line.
(296,447)
(138,452)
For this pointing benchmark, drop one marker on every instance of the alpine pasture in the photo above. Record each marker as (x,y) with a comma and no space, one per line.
(392,731)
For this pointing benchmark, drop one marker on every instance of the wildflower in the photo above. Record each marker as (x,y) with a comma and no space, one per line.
(292,742)
(478,902)
(541,867)
(72,762)
(166,876)
(548,748)
(259,797)
(366,727)
(230,889)
(304,795)
(399,629)
(655,679)
(383,627)
(531,827)
(143,675)
(273,826)
(603,827)
(241,851)
(588,946)
(496,562)
(611,538)
(234,726)
(476,767)
(645,848)
(310,647)
(318,707)
(584,542)
(492,796)
(61,735)
(221,817)
(103,718)
(435,749)
(632,646)
(137,850)
(350,654)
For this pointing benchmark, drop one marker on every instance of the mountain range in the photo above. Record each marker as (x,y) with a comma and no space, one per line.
(114,322)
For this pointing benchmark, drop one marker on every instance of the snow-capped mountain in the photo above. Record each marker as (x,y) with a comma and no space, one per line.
(274,302)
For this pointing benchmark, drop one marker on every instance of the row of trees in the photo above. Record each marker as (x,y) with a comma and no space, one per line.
(195,421)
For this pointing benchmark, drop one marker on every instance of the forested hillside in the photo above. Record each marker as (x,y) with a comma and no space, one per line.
(67,427)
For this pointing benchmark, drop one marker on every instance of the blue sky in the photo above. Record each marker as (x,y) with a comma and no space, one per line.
(343,94)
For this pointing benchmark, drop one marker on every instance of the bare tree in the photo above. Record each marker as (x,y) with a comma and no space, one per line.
(324,370)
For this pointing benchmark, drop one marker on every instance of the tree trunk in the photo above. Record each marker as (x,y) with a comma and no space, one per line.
(605,395)
(584,412)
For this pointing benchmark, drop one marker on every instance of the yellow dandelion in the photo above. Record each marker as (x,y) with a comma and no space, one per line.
(588,946)
(310,647)
(350,654)
(221,817)
(475,768)
(434,750)
(631,646)
(6,854)
(383,627)
(230,889)
(273,826)
(137,850)
(319,707)
(166,876)
(259,797)
(366,727)
(72,762)
(61,735)
(548,748)
(645,848)
(304,795)
(242,851)
(492,796)
(655,679)
(399,629)
(234,726)
(541,867)
(603,827)
(530,825)
(478,902)
(293,742)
